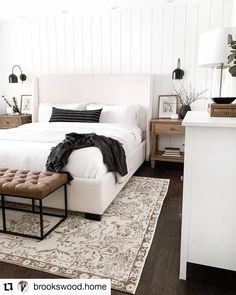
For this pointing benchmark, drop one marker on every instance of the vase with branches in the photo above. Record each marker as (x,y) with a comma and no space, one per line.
(186,98)
(12,105)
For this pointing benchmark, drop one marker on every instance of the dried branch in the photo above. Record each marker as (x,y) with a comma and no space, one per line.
(15,107)
(188,97)
(6,101)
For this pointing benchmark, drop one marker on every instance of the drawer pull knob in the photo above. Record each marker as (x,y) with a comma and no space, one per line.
(8,123)
(172,129)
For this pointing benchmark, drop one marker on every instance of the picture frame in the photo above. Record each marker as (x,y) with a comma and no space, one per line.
(167,106)
(26,106)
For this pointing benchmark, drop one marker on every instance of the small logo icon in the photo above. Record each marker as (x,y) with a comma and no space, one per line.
(23,286)
(8,287)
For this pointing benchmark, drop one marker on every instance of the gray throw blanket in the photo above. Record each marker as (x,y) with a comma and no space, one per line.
(113,153)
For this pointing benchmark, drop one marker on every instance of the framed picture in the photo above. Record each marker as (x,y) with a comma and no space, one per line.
(167,105)
(26,104)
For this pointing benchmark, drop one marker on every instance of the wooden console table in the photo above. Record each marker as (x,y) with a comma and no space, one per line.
(168,127)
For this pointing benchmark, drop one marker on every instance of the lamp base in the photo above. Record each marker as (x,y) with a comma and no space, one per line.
(223,100)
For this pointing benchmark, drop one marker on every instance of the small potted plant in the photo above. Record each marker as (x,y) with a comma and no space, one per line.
(186,98)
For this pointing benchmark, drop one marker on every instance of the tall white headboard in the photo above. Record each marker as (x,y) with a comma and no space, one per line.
(108,89)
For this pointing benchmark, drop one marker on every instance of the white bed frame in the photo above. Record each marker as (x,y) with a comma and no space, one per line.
(94,195)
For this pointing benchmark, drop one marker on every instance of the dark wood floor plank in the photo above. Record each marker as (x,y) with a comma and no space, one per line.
(161,271)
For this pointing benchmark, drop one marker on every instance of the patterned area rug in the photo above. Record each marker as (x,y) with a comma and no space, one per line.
(115,248)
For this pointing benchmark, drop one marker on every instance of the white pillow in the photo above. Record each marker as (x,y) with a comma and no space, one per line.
(45,109)
(120,114)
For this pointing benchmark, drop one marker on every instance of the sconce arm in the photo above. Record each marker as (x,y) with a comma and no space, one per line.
(17,67)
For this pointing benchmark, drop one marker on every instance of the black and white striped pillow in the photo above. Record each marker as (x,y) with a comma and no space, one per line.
(61,115)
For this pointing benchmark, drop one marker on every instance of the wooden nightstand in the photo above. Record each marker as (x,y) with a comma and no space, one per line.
(165,127)
(12,121)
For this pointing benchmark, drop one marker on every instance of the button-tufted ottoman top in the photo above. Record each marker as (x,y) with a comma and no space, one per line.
(32,184)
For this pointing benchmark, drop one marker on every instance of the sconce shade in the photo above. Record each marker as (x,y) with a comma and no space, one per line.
(13,78)
(178,74)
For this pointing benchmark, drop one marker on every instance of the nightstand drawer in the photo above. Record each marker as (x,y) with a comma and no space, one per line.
(169,129)
(10,121)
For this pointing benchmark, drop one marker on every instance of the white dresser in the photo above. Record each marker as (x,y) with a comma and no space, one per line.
(208,234)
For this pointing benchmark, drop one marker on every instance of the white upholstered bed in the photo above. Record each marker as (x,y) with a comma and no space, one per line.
(93,188)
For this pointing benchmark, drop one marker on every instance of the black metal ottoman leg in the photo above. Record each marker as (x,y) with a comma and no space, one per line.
(3,213)
(41,218)
(33,205)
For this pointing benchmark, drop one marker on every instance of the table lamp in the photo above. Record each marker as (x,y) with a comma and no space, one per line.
(213,53)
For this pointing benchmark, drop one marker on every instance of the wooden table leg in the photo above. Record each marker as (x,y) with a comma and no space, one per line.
(153,163)
(154,146)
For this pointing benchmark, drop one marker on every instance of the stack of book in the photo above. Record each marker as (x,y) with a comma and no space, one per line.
(171,152)
(222,110)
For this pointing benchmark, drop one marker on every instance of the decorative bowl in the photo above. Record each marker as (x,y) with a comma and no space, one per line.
(222,100)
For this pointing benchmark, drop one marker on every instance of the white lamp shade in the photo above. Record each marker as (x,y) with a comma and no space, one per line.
(213,47)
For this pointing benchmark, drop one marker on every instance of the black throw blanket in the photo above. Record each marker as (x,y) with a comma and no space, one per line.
(113,153)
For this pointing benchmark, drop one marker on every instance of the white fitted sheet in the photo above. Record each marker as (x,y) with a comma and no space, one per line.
(28,146)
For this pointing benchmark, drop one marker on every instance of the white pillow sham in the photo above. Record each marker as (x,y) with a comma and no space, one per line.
(120,114)
(45,109)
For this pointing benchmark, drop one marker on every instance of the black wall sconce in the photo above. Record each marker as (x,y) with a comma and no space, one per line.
(178,73)
(13,78)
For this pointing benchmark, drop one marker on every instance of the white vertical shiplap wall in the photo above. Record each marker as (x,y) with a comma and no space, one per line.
(233,13)
(139,41)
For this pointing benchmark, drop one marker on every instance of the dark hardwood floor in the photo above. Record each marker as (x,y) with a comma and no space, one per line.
(160,274)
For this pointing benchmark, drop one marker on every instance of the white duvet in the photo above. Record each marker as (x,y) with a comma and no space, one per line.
(28,146)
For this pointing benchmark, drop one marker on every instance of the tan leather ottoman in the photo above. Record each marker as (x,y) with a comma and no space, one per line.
(32,185)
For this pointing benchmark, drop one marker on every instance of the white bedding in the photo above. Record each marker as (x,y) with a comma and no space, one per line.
(28,146)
